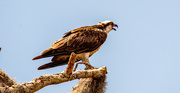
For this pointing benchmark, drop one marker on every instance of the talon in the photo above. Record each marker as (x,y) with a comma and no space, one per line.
(87,64)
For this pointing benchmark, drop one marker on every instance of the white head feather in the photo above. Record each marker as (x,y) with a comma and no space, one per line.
(108,28)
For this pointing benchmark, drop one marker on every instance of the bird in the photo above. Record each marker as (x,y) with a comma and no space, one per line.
(83,41)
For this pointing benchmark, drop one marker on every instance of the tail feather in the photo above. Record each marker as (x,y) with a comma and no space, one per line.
(52,64)
(56,61)
(37,57)
(45,53)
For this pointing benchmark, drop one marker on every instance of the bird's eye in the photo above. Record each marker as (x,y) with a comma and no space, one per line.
(108,24)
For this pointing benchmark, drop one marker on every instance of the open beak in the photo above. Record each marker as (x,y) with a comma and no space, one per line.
(115,25)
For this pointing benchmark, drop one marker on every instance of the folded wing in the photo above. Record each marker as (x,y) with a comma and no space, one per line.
(79,41)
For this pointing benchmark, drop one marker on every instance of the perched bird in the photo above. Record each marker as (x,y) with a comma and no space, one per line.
(83,41)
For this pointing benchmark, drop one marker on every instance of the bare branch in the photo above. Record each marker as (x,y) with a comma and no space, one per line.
(5,80)
(45,80)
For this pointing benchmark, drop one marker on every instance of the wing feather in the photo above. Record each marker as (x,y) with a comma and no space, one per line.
(82,41)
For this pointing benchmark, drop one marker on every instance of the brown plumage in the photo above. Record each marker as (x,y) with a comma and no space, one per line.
(82,40)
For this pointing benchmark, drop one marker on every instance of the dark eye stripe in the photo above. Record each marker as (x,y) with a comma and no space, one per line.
(110,23)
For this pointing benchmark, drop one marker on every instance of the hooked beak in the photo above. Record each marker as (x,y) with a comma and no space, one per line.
(115,25)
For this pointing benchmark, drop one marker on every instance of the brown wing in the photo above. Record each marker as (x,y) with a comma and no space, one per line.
(79,41)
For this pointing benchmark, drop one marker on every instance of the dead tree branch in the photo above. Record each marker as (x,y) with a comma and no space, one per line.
(9,86)
(45,80)
(5,80)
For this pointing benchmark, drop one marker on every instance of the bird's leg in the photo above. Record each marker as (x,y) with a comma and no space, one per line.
(85,61)
(88,65)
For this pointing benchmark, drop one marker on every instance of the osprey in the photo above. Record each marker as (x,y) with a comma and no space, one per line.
(83,41)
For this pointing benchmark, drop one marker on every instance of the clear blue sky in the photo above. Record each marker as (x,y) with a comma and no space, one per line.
(142,56)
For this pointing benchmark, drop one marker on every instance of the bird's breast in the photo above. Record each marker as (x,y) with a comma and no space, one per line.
(80,56)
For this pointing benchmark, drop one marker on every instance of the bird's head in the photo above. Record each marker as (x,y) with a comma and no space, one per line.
(108,25)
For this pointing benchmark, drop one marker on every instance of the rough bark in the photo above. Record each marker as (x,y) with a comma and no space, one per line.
(5,80)
(90,85)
